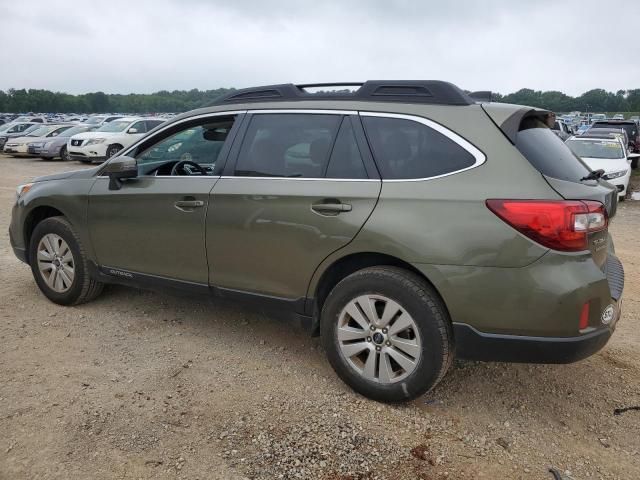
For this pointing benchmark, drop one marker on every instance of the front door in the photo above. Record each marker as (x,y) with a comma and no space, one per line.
(154,224)
(295,190)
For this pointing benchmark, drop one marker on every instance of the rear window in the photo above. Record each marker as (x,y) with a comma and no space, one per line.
(547,153)
(405,149)
(630,128)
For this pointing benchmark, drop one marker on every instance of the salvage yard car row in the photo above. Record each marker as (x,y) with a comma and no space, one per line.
(97,139)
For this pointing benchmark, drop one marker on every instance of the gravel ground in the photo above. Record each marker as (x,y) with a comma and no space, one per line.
(144,385)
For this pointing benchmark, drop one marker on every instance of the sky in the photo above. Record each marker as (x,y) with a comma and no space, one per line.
(144,46)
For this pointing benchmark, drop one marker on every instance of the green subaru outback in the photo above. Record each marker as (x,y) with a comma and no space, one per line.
(403,221)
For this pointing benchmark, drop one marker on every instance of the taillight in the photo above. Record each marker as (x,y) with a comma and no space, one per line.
(558,224)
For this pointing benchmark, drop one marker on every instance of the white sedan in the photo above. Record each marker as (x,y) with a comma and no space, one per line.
(19,146)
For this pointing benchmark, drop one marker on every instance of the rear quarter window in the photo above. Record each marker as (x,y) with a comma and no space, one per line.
(407,149)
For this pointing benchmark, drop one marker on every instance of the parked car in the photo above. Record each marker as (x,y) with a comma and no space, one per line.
(99,120)
(608,155)
(582,129)
(51,148)
(31,118)
(19,146)
(106,141)
(561,129)
(598,117)
(618,116)
(16,129)
(387,220)
(632,130)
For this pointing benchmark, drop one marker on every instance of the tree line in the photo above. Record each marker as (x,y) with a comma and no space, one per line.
(36,100)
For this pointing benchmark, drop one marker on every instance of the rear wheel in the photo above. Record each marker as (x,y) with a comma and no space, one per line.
(59,263)
(387,334)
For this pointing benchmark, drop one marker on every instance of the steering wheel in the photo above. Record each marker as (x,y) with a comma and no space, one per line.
(178,168)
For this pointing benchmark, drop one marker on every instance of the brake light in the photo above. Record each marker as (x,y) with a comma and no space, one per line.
(557,224)
(584,317)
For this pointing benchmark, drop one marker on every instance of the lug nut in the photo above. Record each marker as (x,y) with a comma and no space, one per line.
(378,349)
(372,327)
(384,330)
(368,339)
(388,344)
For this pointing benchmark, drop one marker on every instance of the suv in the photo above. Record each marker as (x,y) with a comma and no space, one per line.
(110,138)
(403,222)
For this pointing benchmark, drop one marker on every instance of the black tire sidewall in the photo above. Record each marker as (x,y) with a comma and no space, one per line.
(429,316)
(113,149)
(63,153)
(59,227)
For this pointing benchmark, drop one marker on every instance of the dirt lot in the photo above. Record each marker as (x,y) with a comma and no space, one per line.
(143,385)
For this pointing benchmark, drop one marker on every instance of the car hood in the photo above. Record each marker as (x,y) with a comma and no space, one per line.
(84,173)
(22,139)
(607,164)
(88,135)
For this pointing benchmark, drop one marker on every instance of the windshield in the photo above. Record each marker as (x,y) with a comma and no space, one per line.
(73,130)
(5,127)
(27,131)
(42,131)
(115,126)
(596,149)
(94,120)
(547,153)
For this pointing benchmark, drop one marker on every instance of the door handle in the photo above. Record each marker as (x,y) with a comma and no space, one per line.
(332,208)
(188,205)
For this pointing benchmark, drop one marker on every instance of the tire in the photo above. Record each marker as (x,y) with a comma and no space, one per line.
(85,161)
(64,154)
(66,287)
(112,150)
(429,338)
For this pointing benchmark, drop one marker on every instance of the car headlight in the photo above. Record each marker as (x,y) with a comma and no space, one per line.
(22,189)
(47,145)
(612,175)
(94,141)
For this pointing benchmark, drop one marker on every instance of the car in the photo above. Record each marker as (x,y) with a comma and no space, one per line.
(99,120)
(16,129)
(608,155)
(106,141)
(630,127)
(31,118)
(56,147)
(19,146)
(561,129)
(404,222)
(598,117)
(618,116)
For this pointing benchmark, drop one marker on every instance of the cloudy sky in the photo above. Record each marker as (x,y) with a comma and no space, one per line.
(122,46)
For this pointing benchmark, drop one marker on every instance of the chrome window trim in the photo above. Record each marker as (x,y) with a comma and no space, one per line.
(324,179)
(477,154)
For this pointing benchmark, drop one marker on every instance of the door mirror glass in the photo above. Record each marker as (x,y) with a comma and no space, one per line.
(132,130)
(119,169)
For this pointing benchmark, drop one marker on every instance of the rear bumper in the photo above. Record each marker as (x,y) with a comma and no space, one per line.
(474,345)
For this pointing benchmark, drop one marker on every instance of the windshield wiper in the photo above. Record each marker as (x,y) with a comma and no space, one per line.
(593,175)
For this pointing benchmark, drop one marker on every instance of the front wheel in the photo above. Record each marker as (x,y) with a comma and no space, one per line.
(112,150)
(59,264)
(64,154)
(387,334)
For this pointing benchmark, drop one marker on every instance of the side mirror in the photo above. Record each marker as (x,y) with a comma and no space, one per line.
(132,130)
(119,169)
(631,156)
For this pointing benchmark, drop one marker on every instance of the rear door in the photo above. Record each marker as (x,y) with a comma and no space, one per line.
(298,187)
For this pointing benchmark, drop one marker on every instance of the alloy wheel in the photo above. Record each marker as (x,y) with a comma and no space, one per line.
(55,262)
(378,338)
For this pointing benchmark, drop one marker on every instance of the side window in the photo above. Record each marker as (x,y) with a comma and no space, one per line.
(139,126)
(199,141)
(151,124)
(405,149)
(346,161)
(287,145)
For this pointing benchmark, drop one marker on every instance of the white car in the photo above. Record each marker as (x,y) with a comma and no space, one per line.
(608,154)
(106,141)
(19,146)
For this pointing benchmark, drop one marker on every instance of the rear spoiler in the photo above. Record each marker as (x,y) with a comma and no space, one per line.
(481,96)
(510,125)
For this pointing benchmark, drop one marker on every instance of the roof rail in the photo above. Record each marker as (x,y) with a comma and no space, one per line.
(400,91)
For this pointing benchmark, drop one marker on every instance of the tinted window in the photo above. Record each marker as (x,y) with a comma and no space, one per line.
(406,149)
(346,161)
(547,153)
(287,145)
(630,128)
